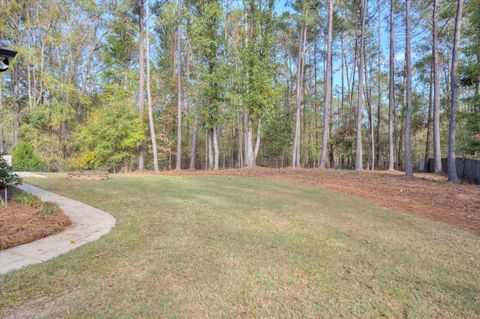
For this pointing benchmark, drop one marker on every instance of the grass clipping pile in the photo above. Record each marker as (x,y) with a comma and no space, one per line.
(27,219)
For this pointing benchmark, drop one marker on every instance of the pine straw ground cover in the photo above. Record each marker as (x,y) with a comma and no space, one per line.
(235,247)
(27,219)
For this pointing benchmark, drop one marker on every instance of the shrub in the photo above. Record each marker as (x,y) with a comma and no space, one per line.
(110,137)
(7,177)
(86,161)
(24,158)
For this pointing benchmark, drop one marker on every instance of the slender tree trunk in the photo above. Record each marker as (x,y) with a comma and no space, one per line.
(328,88)
(141,88)
(401,111)
(300,66)
(437,168)
(193,142)
(331,149)
(315,92)
(249,151)
(343,79)
(429,121)
(379,83)
(215,148)
(350,92)
(391,89)
(359,150)
(452,171)
(178,164)
(210,148)
(149,96)
(16,115)
(257,142)
(29,87)
(240,139)
(193,145)
(408,104)
(368,98)
(351,84)
(400,147)
(245,139)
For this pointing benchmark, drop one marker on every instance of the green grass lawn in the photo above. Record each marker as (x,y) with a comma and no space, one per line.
(232,247)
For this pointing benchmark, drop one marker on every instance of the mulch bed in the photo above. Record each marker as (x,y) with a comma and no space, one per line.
(426,195)
(21,224)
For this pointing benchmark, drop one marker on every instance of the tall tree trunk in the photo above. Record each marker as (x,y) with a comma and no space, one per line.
(400,147)
(429,121)
(328,88)
(149,96)
(193,142)
(359,150)
(300,71)
(178,164)
(391,88)
(408,104)
(331,146)
(288,76)
(16,114)
(240,139)
(437,167)
(257,142)
(249,151)
(245,139)
(315,92)
(193,145)
(354,69)
(401,112)
(343,79)
(379,82)
(210,148)
(350,87)
(141,88)
(368,98)
(452,171)
(216,153)
(29,87)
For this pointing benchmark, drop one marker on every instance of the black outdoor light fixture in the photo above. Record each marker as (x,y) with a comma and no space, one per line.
(5,55)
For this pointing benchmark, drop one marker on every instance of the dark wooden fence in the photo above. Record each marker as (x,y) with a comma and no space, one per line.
(467,168)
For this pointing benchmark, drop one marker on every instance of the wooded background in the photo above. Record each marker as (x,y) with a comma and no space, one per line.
(137,84)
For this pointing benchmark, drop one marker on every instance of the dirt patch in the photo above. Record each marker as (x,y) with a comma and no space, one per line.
(426,195)
(21,223)
(45,306)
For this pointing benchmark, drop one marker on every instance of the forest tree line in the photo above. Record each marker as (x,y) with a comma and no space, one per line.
(146,84)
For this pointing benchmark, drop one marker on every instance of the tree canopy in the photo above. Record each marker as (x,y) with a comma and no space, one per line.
(238,83)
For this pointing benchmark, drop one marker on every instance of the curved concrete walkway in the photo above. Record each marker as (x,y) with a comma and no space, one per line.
(88,224)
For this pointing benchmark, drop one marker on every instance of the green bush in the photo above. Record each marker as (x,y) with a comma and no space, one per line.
(25,159)
(7,177)
(110,137)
